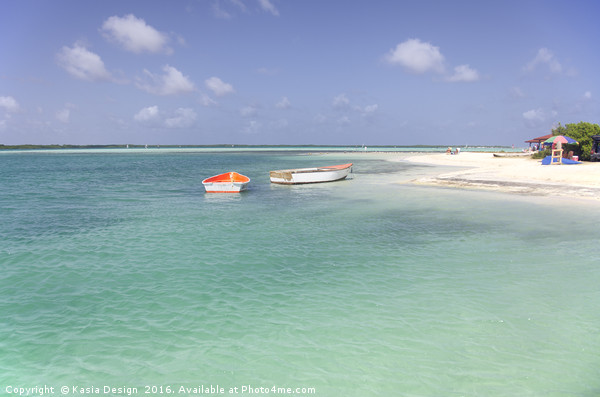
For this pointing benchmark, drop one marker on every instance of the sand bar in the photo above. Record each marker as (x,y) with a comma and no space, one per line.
(510,174)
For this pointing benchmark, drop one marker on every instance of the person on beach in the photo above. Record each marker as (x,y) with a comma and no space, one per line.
(449,150)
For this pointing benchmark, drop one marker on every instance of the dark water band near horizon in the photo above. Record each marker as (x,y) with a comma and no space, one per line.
(116,269)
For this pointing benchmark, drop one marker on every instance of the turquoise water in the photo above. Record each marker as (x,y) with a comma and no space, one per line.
(118,271)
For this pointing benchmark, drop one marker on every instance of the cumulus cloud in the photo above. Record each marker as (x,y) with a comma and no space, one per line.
(248,111)
(63,115)
(218,87)
(133,34)
(147,114)
(83,64)
(344,108)
(184,117)
(341,101)
(219,10)
(544,57)
(266,71)
(370,109)
(464,73)
(172,82)
(9,104)
(535,118)
(252,127)
(419,57)
(534,115)
(284,103)
(416,56)
(267,6)
(344,120)
(205,100)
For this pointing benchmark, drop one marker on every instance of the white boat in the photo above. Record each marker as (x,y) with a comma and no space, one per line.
(311,175)
(228,182)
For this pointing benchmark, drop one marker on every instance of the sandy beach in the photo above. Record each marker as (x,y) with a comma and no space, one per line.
(511,174)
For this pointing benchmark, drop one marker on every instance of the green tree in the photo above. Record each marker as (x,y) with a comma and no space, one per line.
(559,130)
(582,132)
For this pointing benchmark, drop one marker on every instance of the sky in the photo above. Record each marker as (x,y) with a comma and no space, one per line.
(296,72)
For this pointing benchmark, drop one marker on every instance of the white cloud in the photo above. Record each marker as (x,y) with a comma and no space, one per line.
(9,104)
(147,114)
(82,64)
(537,118)
(343,120)
(221,12)
(248,111)
(218,87)
(416,56)
(544,57)
(252,127)
(587,95)
(184,117)
(284,103)
(171,83)
(267,6)
(134,35)
(63,115)
(205,100)
(464,73)
(266,71)
(341,101)
(342,105)
(534,115)
(371,109)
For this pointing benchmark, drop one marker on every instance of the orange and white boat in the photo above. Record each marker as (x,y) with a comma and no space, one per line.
(311,175)
(229,182)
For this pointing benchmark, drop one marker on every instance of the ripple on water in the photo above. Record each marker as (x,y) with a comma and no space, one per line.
(140,277)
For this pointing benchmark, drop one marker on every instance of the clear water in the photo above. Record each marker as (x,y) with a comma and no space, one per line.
(116,269)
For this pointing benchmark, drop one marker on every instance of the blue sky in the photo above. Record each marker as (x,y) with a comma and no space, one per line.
(296,71)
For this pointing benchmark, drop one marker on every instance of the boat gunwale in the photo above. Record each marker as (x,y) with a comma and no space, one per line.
(316,169)
(214,179)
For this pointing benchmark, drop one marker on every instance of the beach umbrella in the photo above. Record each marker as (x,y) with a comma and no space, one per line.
(559,138)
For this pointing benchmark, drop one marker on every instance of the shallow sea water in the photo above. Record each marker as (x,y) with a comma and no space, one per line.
(116,269)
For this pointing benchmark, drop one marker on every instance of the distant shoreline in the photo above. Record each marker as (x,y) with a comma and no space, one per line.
(357,148)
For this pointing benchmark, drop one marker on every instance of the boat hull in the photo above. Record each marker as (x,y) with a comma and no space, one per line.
(310,175)
(228,182)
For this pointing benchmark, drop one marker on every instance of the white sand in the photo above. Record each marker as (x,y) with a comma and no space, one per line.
(511,174)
